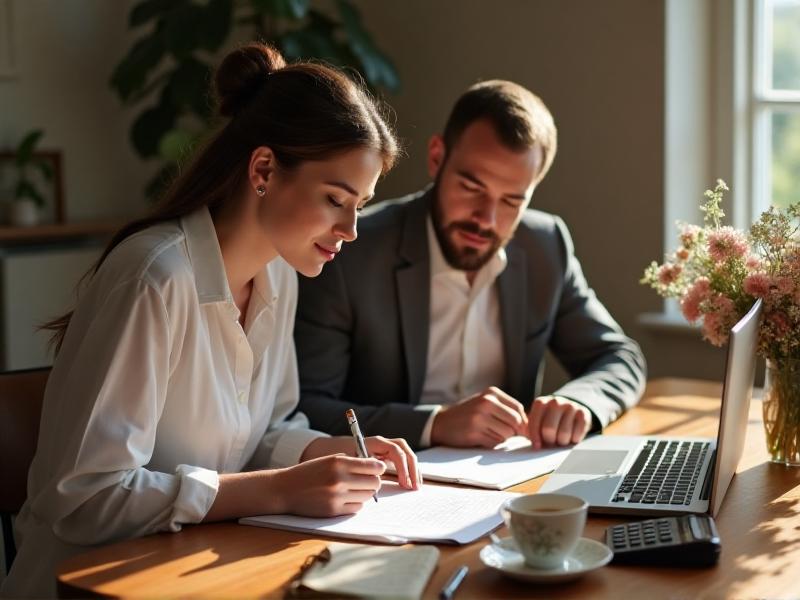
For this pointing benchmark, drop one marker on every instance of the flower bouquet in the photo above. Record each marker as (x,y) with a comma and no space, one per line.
(718,272)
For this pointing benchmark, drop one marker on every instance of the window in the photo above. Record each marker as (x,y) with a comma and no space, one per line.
(775,114)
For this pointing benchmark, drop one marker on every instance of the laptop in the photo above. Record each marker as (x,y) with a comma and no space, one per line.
(658,475)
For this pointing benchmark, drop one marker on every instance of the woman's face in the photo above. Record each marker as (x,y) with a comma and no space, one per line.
(310,211)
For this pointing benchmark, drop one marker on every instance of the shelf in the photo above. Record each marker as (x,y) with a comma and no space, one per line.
(52,232)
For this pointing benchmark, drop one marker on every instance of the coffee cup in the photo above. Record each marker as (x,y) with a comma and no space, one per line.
(545,527)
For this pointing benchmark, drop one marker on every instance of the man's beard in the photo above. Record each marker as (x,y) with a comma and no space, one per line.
(466,258)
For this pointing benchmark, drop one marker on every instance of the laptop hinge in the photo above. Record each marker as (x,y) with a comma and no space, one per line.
(706,491)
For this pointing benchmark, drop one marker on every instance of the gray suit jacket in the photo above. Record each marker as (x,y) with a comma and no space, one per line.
(362,326)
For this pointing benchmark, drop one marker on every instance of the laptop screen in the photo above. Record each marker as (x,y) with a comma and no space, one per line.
(736,394)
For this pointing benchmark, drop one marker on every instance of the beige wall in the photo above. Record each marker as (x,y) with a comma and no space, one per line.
(599,65)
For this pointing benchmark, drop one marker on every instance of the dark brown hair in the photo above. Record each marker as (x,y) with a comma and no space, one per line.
(519,117)
(303,111)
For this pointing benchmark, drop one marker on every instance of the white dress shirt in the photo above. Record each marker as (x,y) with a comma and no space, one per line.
(156,390)
(465,340)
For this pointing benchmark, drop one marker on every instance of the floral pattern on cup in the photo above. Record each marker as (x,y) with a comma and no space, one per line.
(539,538)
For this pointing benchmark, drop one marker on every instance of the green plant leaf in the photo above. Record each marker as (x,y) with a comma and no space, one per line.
(309,43)
(375,66)
(180,30)
(282,9)
(175,145)
(149,9)
(188,87)
(26,146)
(25,189)
(215,25)
(131,74)
(45,168)
(150,126)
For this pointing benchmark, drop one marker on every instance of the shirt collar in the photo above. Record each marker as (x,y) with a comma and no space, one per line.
(439,265)
(205,255)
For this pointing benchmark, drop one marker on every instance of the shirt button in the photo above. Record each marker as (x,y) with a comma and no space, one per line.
(242,397)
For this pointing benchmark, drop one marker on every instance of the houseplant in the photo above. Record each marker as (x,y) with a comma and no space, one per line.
(717,273)
(167,71)
(28,199)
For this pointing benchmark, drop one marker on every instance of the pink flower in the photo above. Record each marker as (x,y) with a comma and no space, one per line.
(694,297)
(668,273)
(689,235)
(726,243)
(753,263)
(784,286)
(780,324)
(714,329)
(757,284)
(682,254)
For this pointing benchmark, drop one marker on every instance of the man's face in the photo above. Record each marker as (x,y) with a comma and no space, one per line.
(481,189)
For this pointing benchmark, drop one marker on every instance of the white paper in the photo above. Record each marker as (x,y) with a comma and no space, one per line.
(509,463)
(434,513)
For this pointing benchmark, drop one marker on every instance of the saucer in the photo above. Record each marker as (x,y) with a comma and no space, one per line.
(587,555)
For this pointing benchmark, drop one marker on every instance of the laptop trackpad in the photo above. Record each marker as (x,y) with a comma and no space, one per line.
(592,462)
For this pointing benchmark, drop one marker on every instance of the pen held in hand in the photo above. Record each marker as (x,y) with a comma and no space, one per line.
(361,446)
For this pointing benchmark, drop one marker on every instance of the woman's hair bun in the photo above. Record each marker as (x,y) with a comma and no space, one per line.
(242,73)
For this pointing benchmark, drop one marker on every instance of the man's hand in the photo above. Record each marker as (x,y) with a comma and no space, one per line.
(555,421)
(485,419)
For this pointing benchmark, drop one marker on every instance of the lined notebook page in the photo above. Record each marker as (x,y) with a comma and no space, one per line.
(433,513)
(509,463)
(373,571)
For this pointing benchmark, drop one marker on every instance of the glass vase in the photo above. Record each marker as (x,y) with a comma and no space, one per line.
(781,408)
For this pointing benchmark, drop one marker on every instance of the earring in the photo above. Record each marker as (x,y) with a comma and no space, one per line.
(261,191)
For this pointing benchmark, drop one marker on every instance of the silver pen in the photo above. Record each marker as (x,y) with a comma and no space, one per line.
(361,447)
(449,589)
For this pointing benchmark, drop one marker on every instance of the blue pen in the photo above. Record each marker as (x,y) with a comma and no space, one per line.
(361,447)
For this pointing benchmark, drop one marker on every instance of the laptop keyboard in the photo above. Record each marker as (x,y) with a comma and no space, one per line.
(665,472)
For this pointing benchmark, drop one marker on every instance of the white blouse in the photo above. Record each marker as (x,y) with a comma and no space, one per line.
(156,390)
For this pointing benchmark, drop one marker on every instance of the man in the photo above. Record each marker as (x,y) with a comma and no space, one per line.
(433,326)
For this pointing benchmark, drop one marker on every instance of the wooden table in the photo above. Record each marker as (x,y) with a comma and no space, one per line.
(759,525)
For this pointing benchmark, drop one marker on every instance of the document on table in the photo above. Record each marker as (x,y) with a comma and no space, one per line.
(509,463)
(434,513)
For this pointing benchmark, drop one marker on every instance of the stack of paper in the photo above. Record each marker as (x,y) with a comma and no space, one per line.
(438,514)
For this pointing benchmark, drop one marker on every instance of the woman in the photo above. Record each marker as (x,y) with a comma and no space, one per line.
(172,395)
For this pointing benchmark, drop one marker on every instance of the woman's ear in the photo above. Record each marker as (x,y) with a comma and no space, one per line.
(261,169)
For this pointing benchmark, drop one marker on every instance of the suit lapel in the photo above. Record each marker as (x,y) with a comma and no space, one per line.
(512,286)
(413,281)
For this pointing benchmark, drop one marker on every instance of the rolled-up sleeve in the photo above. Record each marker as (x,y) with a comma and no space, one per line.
(109,404)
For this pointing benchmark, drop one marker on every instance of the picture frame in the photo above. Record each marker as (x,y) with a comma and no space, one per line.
(53,211)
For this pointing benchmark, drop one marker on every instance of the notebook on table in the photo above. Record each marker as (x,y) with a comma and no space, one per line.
(365,571)
(507,464)
(658,475)
(432,514)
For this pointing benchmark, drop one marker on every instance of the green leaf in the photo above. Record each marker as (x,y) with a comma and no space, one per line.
(215,25)
(149,9)
(149,127)
(25,189)
(188,87)
(309,43)
(131,74)
(26,146)
(376,67)
(174,145)
(282,9)
(181,30)
(45,168)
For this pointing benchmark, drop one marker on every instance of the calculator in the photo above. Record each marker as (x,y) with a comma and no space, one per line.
(684,541)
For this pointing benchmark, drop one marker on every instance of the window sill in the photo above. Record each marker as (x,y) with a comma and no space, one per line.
(662,322)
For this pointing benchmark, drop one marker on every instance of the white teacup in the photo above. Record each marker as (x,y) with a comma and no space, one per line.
(545,527)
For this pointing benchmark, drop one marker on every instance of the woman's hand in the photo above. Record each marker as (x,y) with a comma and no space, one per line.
(327,486)
(396,451)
